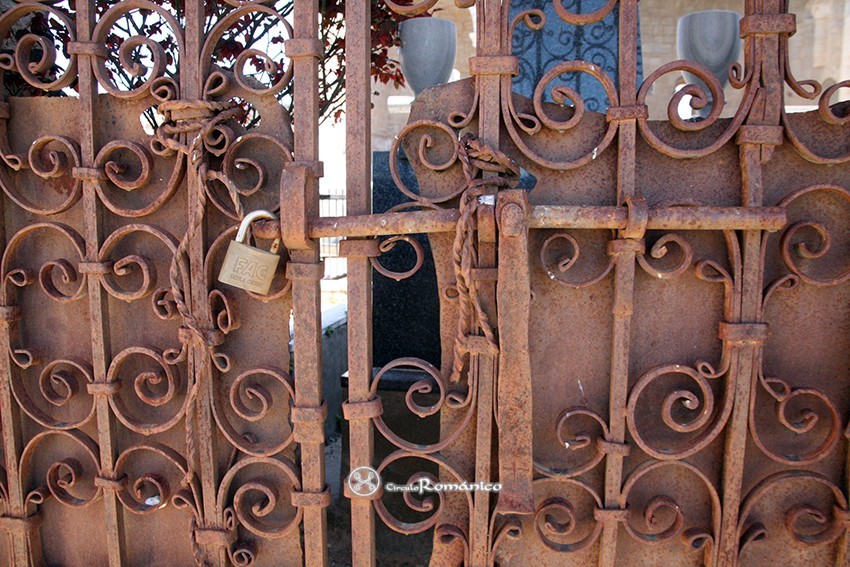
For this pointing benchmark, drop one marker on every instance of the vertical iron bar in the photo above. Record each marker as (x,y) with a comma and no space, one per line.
(624,276)
(306,292)
(199,363)
(627,71)
(624,279)
(98,300)
(766,111)
(359,202)
(742,367)
(489,42)
(11,424)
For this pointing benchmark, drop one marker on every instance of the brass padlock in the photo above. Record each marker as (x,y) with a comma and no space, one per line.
(247,267)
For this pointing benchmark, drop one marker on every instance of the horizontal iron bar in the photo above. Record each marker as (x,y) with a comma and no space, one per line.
(545,216)
(662,218)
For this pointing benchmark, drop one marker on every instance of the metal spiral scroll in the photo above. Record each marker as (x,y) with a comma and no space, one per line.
(817,516)
(662,517)
(426,143)
(20,60)
(565,523)
(154,476)
(258,395)
(532,121)
(127,166)
(154,78)
(704,418)
(431,503)
(72,286)
(71,479)
(447,397)
(738,78)
(578,440)
(243,10)
(56,395)
(812,90)
(51,159)
(814,412)
(390,243)
(254,496)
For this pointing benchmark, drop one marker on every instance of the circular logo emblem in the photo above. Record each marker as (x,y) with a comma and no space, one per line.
(364,481)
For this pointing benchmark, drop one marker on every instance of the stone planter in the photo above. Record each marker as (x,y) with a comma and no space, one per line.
(427,52)
(712,39)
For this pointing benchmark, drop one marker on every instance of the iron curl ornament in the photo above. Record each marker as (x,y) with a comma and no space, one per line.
(129,167)
(62,383)
(427,142)
(447,397)
(560,252)
(155,388)
(253,500)
(804,410)
(692,411)
(565,519)
(427,502)
(388,245)
(138,270)
(571,107)
(574,435)
(567,524)
(817,515)
(52,159)
(738,78)
(270,66)
(523,124)
(149,476)
(262,395)
(814,91)
(61,282)
(663,518)
(71,479)
(153,80)
(34,57)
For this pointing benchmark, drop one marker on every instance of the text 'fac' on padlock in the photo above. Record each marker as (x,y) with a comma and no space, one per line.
(247,267)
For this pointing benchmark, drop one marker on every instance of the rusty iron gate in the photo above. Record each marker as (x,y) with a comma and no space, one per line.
(648,351)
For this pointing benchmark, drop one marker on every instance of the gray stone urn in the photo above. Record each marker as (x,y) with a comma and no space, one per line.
(427,52)
(712,39)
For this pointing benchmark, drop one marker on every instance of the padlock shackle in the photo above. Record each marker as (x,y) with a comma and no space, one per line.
(249,218)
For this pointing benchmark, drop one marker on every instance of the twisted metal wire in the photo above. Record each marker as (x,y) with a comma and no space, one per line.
(476,157)
(172,135)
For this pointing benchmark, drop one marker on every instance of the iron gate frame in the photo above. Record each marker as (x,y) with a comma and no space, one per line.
(499,227)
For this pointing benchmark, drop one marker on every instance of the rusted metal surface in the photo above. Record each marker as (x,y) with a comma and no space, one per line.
(647,349)
(143,421)
(674,420)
